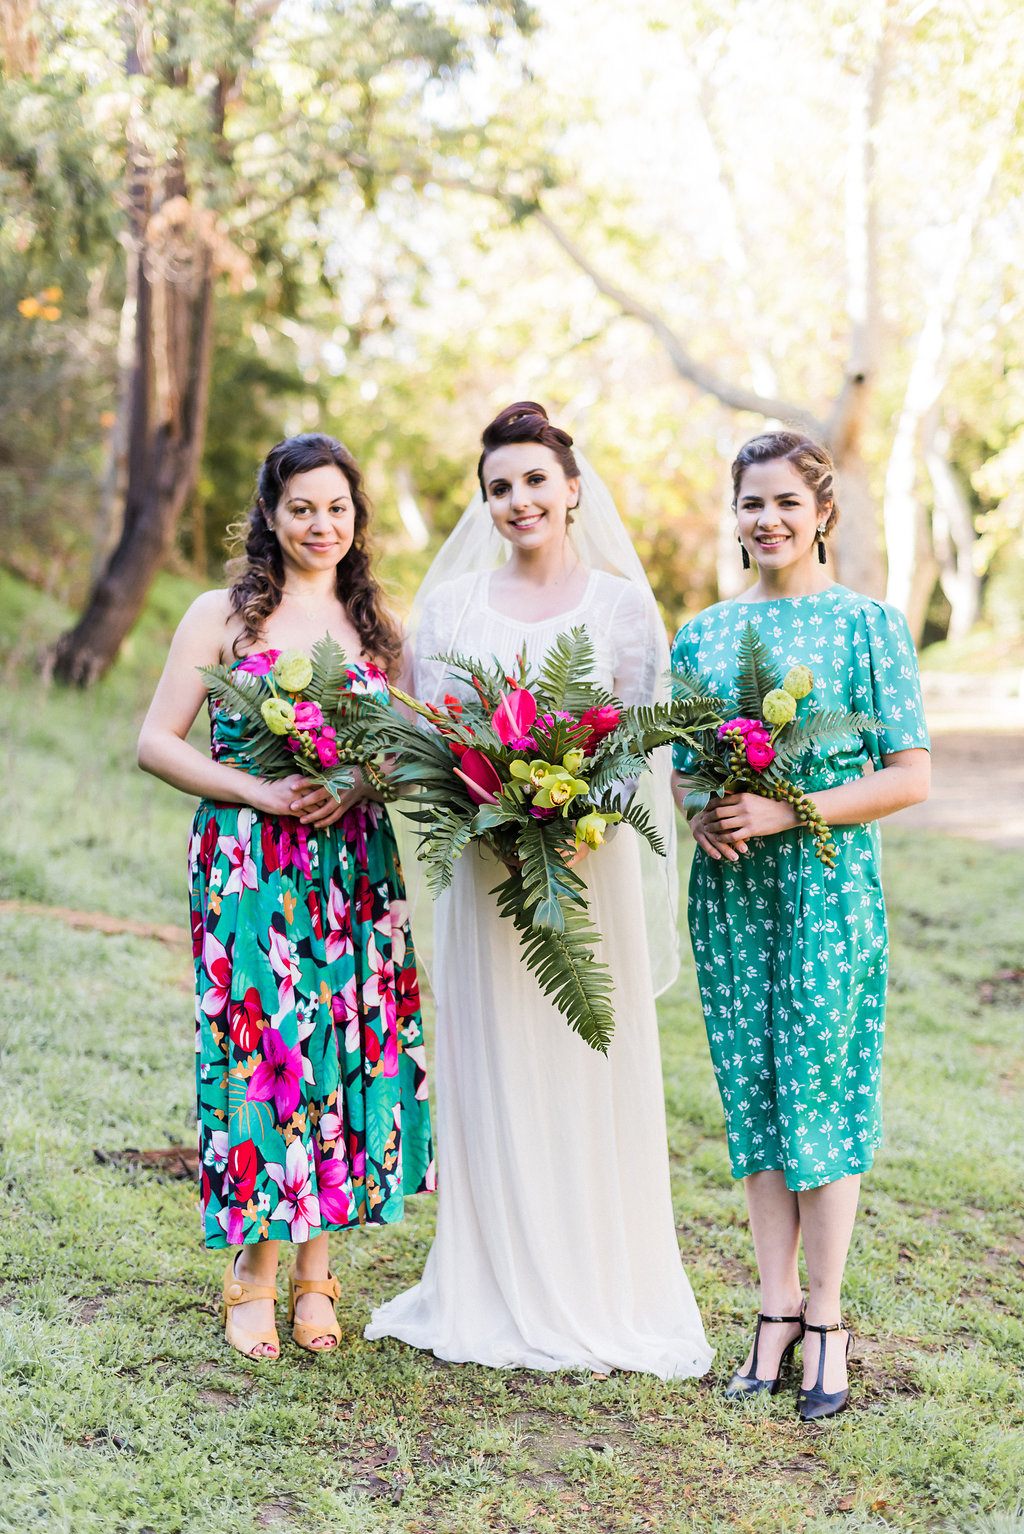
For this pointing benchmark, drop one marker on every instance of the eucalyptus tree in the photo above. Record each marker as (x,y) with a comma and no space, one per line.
(223,132)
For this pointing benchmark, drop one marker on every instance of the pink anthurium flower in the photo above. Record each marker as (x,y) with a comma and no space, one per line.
(480,777)
(513,716)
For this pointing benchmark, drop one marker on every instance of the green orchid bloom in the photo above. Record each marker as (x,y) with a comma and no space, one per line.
(558,789)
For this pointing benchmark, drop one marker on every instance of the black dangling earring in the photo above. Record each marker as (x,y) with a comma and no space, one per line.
(822,556)
(743,552)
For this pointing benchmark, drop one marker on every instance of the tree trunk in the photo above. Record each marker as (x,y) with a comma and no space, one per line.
(906,530)
(860,558)
(169,394)
(953,532)
(167,336)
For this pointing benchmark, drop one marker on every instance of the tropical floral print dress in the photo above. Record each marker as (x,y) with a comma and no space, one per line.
(310,1064)
(791,956)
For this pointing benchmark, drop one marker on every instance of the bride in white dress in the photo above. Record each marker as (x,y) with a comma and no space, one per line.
(555,1244)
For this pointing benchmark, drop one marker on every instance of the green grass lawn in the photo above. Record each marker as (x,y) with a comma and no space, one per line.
(123,1410)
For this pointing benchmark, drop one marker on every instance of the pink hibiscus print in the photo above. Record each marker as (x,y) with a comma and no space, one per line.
(330,1126)
(218,970)
(338,941)
(260,663)
(298,1205)
(286,968)
(243,870)
(334,1188)
(345,1007)
(277,1076)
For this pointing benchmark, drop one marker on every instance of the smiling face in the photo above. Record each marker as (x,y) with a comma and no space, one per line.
(528,494)
(315,520)
(778,515)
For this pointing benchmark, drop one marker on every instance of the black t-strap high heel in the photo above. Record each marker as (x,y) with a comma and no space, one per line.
(749,1384)
(818,1403)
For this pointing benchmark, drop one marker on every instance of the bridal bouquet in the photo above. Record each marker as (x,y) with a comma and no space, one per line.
(296,708)
(537,766)
(756,735)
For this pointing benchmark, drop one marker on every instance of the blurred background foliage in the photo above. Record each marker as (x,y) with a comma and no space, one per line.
(646,217)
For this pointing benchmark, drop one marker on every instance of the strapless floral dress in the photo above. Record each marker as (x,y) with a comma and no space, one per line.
(310,1064)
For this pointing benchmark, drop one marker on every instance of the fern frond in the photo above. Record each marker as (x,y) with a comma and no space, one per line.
(693,686)
(637,816)
(821,732)
(446,838)
(757,672)
(563,680)
(564,964)
(239,691)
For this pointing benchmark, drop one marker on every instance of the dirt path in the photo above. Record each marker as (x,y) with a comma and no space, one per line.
(977,787)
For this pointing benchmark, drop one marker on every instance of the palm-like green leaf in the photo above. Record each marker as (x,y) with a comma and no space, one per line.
(547,883)
(330,686)
(758,673)
(491,678)
(636,815)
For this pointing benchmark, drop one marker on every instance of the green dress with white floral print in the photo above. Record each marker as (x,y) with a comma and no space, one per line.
(792,956)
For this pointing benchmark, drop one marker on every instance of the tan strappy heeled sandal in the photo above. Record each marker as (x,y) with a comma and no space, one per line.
(236,1292)
(306,1332)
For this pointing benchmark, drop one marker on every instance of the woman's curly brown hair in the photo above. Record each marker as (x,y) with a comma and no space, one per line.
(257,577)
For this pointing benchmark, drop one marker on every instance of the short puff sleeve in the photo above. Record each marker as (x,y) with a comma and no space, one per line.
(886,682)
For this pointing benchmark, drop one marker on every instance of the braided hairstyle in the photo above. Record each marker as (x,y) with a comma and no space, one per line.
(526,421)
(257,576)
(811,461)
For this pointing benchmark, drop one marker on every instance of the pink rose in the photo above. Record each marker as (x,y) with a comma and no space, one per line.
(757,736)
(759,754)
(326,750)
(743,725)
(307,716)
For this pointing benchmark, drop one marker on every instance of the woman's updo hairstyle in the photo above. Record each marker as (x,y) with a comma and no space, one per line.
(526,421)
(812,462)
(257,576)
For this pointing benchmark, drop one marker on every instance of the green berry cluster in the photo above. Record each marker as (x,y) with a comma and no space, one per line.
(806,813)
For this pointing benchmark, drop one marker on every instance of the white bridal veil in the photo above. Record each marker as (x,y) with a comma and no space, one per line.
(600,539)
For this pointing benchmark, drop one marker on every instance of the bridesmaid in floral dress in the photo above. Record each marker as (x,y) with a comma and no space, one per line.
(311,1078)
(791,956)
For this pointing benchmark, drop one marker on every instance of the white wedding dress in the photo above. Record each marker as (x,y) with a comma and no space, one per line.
(555,1244)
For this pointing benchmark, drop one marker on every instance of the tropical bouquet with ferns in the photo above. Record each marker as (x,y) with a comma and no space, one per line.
(754,741)
(298,711)
(537,766)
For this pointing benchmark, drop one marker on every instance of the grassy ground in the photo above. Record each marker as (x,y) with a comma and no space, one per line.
(122,1410)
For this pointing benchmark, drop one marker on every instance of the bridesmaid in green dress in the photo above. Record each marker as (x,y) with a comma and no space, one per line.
(792,956)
